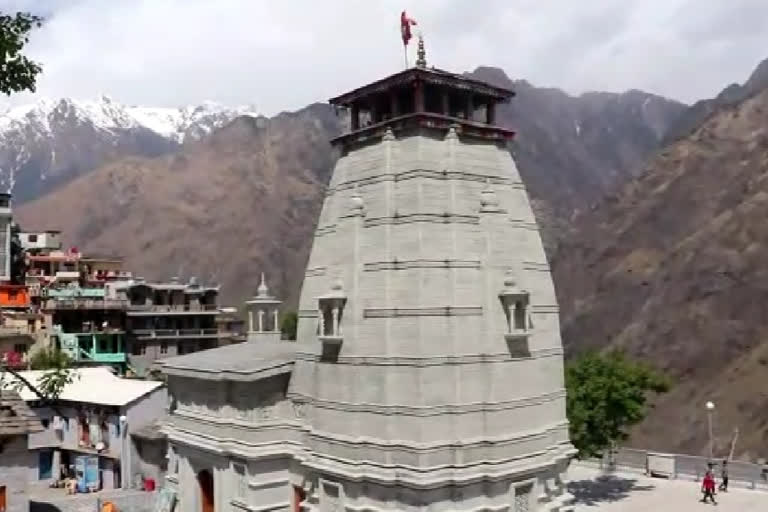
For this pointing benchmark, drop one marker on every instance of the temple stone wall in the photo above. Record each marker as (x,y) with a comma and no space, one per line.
(425,376)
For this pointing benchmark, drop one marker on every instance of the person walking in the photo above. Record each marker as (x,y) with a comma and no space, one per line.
(724,477)
(708,486)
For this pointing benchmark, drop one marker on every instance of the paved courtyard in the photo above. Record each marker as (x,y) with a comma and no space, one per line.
(637,493)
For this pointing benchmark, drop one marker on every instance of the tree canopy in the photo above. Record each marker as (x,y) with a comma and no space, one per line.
(607,394)
(17,72)
(288,325)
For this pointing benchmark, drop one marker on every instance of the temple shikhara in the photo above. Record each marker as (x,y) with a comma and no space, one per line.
(428,369)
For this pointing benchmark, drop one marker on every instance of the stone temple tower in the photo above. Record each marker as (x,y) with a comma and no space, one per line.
(430,365)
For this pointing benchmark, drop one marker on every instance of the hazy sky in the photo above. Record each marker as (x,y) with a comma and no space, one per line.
(284,54)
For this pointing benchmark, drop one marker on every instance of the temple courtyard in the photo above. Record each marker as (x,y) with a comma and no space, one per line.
(628,492)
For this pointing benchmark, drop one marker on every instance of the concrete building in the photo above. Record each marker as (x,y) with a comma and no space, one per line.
(6,221)
(17,422)
(168,319)
(40,241)
(97,414)
(428,370)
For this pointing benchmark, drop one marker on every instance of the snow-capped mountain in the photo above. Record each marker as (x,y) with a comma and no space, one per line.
(53,141)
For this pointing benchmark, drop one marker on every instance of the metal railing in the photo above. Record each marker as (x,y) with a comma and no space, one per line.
(171,308)
(687,467)
(85,304)
(12,331)
(176,333)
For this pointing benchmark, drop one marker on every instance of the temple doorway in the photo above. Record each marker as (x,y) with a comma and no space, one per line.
(205,480)
(298,496)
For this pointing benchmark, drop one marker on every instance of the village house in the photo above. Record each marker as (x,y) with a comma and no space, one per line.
(96,417)
(17,422)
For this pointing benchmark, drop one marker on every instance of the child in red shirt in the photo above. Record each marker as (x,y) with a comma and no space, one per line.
(708,487)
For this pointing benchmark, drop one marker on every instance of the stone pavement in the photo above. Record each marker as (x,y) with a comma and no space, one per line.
(628,492)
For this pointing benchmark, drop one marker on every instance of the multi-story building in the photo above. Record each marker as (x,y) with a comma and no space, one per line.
(168,319)
(96,416)
(34,242)
(86,323)
(6,220)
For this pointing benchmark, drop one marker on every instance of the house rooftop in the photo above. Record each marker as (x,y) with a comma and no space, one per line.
(97,385)
(16,418)
(242,361)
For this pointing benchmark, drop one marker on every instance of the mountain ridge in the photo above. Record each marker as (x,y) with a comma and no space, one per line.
(565,169)
(49,142)
(669,268)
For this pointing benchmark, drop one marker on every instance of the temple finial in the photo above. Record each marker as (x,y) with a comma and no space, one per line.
(262,290)
(421,54)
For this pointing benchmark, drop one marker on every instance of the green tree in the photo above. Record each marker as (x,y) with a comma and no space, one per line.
(288,325)
(17,72)
(607,394)
(58,373)
(49,359)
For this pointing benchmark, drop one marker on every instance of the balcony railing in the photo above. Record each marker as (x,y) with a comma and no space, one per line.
(172,308)
(177,333)
(14,331)
(67,274)
(85,304)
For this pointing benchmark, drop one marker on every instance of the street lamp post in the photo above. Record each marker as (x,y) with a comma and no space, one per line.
(710,409)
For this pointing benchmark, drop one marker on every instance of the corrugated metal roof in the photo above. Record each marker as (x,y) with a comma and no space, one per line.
(97,385)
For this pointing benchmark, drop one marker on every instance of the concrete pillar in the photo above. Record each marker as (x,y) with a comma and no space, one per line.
(469,107)
(418,97)
(393,105)
(56,464)
(490,113)
(250,320)
(335,315)
(321,317)
(261,320)
(277,324)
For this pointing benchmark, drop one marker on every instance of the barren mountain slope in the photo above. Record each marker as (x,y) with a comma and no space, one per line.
(223,209)
(672,269)
(247,199)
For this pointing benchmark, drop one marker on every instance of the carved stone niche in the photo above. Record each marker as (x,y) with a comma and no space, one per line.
(330,316)
(516,303)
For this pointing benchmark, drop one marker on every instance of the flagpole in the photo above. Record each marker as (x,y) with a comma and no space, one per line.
(405,54)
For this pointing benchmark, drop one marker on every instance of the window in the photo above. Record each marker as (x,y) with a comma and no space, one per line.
(519,316)
(138,349)
(33,238)
(241,483)
(46,422)
(164,348)
(523,498)
(21,348)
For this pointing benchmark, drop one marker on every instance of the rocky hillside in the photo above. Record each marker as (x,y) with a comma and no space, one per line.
(246,199)
(571,151)
(672,269)
(48,143)
(730,96)
(222,209)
